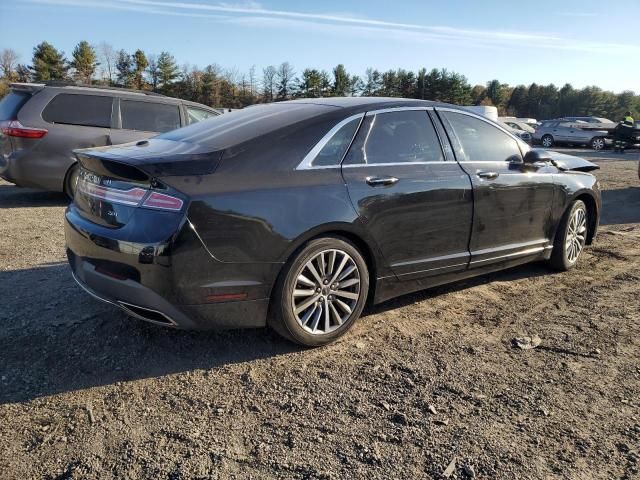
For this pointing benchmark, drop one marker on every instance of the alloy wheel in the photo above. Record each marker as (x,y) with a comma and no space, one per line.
(326,291)
(547,142)
(576,235)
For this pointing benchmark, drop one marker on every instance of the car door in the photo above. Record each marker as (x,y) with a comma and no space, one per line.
(414,201)
(140,119)
(512,201)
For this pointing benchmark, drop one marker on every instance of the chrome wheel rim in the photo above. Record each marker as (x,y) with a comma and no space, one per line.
(598,144)
(326,291)
(576,235)
(547,142)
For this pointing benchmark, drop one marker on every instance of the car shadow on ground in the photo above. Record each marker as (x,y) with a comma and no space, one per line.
(58,339)
(620,206)
(12,196)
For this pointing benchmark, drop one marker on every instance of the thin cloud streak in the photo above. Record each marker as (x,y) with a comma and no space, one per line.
(253,14)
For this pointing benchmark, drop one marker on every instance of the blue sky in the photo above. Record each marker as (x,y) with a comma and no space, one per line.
(583,42)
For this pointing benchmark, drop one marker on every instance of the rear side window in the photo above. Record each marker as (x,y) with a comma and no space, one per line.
(195,115)
(84,110)
(11,105)
(479,141)
(148,116)
(333,151)
(396,137)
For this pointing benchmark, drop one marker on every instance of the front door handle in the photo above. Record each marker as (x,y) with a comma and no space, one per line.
(488,175)
(381,181)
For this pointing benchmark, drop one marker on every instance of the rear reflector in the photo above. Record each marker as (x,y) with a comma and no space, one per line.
(163,202)
(15,129)
(227,297)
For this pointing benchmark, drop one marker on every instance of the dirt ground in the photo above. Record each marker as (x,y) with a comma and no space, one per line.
(420,382)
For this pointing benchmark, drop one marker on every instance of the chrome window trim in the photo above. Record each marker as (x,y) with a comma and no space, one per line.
(307,161)
(397,109)
(394,164)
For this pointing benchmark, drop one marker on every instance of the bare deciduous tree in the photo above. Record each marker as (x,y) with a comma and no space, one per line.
(108,57)
(8,63)
(268,83)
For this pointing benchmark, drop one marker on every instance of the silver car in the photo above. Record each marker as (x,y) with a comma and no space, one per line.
(557,132)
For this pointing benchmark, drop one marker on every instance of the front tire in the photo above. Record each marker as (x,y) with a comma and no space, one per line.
(547,141)
(571,237)
(320,293)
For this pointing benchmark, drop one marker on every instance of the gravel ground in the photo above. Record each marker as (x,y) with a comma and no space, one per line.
(424,386)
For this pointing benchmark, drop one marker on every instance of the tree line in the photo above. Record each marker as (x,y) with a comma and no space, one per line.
(229,88)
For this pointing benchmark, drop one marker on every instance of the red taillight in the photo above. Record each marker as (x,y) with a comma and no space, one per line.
(131,197)
(163,202)
(15,129)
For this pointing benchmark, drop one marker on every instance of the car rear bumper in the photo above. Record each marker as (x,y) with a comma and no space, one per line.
(149,287)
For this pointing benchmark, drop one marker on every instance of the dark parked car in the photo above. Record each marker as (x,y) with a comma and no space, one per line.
(41,125)
(297,213)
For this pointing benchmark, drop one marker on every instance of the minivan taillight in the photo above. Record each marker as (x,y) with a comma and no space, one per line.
(14,128)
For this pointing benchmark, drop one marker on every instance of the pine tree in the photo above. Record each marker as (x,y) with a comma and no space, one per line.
(140,65)
(285,76)
(168,71)
(124,67)
(84,62)
(48,63)
(341,81)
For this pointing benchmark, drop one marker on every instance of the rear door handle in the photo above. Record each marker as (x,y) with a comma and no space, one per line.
(381,181)
(488,175)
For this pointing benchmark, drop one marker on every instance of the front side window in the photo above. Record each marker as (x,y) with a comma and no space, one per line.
(479,141)
(333,151)
(84,110)
(195,115)
(149,116)
(396,137)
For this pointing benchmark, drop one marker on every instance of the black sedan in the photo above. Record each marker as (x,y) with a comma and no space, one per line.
(296,214)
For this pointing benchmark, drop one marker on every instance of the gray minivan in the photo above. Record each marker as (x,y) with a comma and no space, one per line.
(41,125)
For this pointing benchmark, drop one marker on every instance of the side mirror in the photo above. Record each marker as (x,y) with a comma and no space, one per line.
(537,155)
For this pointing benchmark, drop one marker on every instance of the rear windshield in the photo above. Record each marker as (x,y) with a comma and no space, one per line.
(237,127)
(11,105)
(84,110)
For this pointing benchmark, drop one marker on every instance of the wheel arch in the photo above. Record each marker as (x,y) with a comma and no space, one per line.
(349,232)
(592,211)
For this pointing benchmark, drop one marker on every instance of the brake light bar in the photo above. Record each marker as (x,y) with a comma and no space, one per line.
(132,197)
(14,128)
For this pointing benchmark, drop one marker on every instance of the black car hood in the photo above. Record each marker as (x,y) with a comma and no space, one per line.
(569,162)
(160,158)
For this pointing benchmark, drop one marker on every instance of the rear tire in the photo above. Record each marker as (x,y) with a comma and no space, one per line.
(570,237)
(71,181)
(597,144)
(320,293)
(547,141)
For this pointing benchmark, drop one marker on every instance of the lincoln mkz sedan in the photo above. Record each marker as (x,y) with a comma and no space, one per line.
(295,214)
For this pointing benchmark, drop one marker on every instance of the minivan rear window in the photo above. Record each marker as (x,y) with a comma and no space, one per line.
(149,116)
(11,105)
(84,110)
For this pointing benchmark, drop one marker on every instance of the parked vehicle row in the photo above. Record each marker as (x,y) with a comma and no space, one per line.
(41,125)
(296,214)
(563,132)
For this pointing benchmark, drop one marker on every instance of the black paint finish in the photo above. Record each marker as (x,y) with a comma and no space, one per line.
(248,208)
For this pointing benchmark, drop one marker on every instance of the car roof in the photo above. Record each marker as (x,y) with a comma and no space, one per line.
(369,102)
